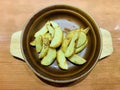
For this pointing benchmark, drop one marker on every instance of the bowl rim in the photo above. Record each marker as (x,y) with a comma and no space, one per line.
(76,78)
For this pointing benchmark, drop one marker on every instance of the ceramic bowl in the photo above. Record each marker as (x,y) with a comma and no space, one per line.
(68,17)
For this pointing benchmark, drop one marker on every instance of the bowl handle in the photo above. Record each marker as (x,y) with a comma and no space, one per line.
(107,48)
(15,48)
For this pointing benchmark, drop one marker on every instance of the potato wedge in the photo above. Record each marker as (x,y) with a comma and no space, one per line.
(48,35)
(77,59)
(62,63)
(45,47)
(42,31)
(49,58)
(71,48)
(58,36)
(67,40)
(86,30)
(65,44)
(51,30)
(38,43)
(33,43)
(81,39)
(77,50)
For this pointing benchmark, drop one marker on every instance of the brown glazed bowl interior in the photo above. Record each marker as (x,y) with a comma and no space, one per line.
(67,17)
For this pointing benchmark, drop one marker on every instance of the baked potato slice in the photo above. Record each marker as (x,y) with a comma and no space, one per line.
(68,38)
(81,39)
(71,48)
(49,58)
(85,30)
(62,63)
(45,47)
(42,31)
(77,59)
(51,30)
(58,36)
(48,36)
(65,44)
(77,50)
(33,43)
(38,43)
(66,41)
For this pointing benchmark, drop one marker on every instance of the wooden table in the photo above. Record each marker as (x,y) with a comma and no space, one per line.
(15,74)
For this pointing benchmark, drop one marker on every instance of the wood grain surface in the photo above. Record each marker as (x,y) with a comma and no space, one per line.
(15,74)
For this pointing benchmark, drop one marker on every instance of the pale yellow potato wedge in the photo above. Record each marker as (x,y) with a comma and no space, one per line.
(42,31)
(38,43)
(77,50)
(45,47)
(58,36)
(86,30)
(51,30)
(71,48)
(71,33)
(48,35)
(67,40)
(62,63)
(49,58)
(65,44)
(77,59)
(81,39)
(33,43)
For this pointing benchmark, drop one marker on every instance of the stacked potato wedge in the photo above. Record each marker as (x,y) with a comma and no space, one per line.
(50,43)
